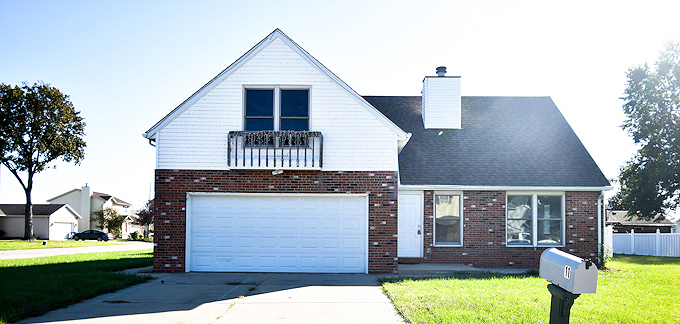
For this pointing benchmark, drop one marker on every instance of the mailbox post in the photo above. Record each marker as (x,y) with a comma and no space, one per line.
(570,276)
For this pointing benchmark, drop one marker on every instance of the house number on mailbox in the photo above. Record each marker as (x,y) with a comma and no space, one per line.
(567,272)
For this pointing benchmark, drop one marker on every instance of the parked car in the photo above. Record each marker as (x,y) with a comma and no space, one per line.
(93,235)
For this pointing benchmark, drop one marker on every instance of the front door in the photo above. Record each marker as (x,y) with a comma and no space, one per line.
(410,232)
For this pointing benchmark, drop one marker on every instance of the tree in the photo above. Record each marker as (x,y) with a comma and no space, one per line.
(109,219)
(38,125)
(145,217)
(650,182)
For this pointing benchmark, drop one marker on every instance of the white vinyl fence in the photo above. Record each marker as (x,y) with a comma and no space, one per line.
(608,243)
(656,244)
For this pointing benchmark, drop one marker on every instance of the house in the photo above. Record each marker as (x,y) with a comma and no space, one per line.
(50,221)
(277,165)
(624,224)
(84,202)
(130,225)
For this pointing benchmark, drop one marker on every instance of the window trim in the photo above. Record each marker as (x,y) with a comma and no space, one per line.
(534,218)
(277,102)
(434,217)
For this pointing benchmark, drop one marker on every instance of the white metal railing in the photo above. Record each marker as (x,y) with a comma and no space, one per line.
(656,244)
(275,150)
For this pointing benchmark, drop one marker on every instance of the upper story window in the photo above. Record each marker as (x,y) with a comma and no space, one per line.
(448,224)
(276,109)
(535,219)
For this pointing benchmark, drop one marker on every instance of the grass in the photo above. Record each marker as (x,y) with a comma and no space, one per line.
(637,289)
(6,245)
(32,287)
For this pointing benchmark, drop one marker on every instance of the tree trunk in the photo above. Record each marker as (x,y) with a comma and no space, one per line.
(28,213)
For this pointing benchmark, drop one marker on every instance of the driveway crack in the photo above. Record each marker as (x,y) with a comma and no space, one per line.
(244,283)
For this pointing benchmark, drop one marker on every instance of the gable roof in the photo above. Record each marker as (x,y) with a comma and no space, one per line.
(503,142)
(276,34)
(63,194)
(619,216)
(106,197)
(99,195)
(38,209)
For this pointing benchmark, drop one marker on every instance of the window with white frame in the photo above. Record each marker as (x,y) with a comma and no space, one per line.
(276,109)
(448,222)
(535,219)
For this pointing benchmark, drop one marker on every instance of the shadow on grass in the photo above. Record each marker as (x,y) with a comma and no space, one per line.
(646,260)
(32,290)
(462,275)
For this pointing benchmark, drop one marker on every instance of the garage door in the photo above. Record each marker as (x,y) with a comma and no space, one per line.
(320,233)
(61,231)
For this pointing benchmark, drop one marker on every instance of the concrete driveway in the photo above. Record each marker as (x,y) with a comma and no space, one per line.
(237,298)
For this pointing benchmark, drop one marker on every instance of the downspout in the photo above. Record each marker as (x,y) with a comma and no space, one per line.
(599,226)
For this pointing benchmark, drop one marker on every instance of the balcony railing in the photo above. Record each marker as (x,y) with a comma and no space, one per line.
(275,150)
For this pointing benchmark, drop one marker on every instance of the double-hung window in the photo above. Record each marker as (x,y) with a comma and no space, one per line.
(277,108)
(448,222)
(535,219)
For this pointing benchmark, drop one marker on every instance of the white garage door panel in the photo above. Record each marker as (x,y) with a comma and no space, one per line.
(61,231)
(278,234)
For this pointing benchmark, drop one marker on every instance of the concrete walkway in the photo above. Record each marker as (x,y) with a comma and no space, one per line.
(35,253)
(237,298)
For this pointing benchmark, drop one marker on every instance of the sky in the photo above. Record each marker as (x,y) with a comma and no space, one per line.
(126,64)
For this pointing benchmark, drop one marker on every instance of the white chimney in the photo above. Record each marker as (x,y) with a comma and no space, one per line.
(441,101)
(85,205)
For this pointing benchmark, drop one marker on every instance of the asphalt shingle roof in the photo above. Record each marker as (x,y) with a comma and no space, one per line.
(106,197)
(504,141)
(38,209)
(619,216)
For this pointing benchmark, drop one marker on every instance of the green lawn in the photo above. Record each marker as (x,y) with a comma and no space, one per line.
(31,287)
(6,245)
(637,289)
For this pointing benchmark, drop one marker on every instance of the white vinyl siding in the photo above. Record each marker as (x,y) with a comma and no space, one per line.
(354,138)
(441,102)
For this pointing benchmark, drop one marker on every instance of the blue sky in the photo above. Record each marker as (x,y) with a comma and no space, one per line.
(126,64)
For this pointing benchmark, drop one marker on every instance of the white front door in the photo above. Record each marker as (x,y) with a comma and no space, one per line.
(278,233)
(410,232)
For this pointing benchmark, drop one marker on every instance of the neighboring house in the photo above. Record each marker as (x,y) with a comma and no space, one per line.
(277,165)
(85,202)
(624,224)
(130,225)
(52,222)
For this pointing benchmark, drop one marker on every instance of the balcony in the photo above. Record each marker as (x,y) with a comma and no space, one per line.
(275,150)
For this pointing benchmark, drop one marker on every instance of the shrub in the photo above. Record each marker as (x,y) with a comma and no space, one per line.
(135,236)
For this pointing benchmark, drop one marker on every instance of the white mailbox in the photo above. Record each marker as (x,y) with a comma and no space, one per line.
(568,272)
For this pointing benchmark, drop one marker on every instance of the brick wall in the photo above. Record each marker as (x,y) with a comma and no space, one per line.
(172,186)
(484,232)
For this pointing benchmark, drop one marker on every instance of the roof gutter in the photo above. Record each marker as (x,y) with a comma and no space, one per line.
(600,214)
(402,143)
(403,187)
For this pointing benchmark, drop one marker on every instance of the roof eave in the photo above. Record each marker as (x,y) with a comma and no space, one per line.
(70,209)
(150,134)
(66,193)
(502,188)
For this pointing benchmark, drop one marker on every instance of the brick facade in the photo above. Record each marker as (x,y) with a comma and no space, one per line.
(484,232)
(172,187)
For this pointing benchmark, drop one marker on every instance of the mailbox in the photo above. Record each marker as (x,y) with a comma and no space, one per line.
(568,272)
